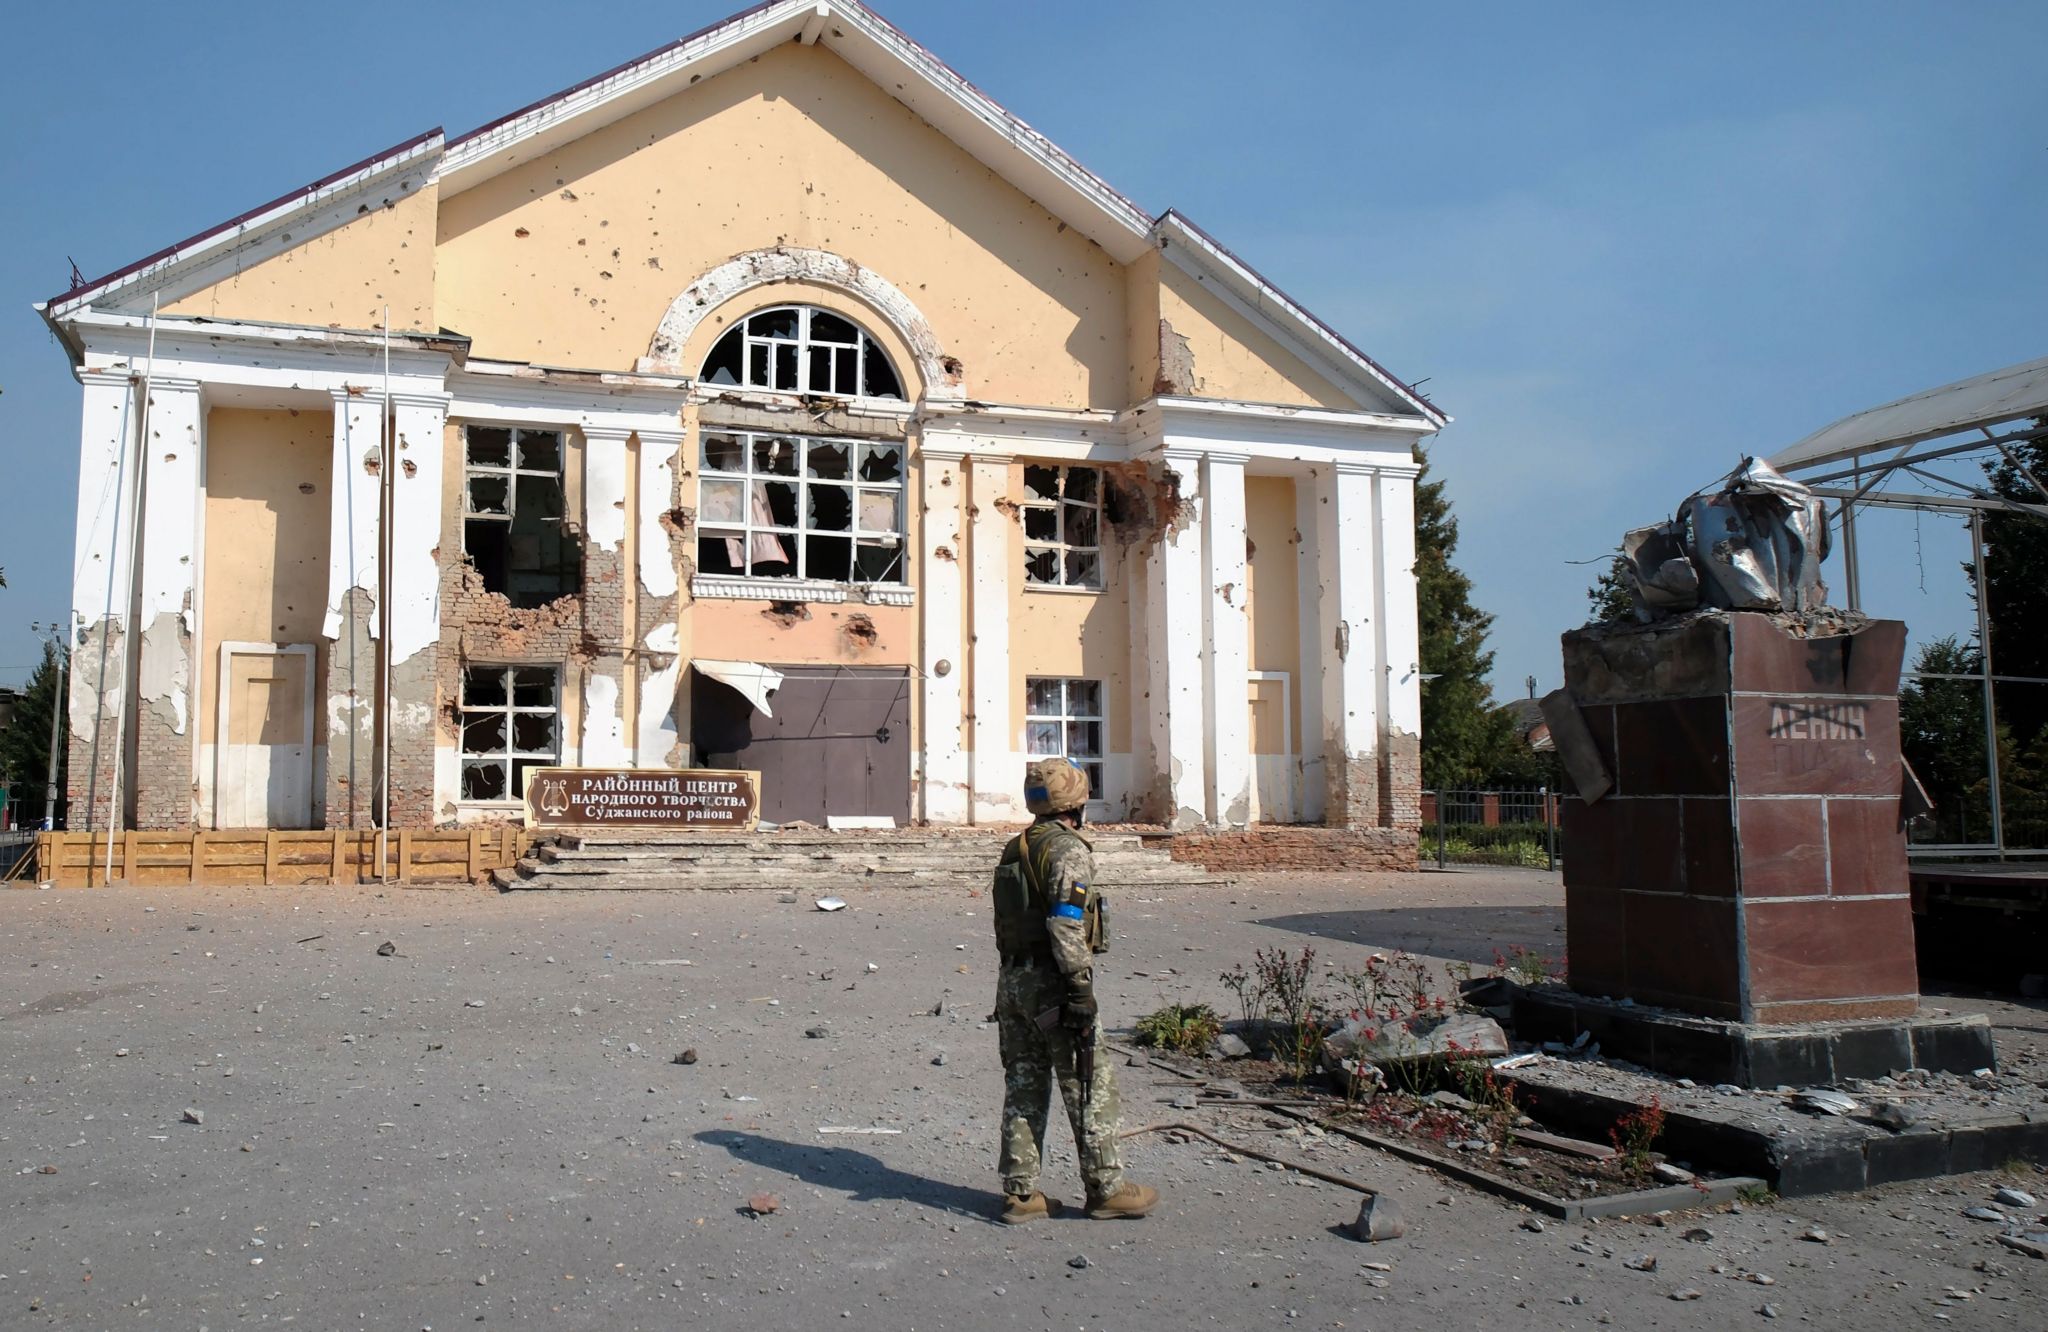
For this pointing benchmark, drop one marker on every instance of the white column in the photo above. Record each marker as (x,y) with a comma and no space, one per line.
(1175,602)
(170,557)
(1348,541)
(944,778)
(1312,795)
(998,780)
(350,625)
(607,461)
(353,498)
(1400,651)
(1227,742)
(656,669)
(100,591)
(419,427)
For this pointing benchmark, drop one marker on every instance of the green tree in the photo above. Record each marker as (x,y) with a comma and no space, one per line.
(1464,736)
(1609,597)
(2016,580)
(1941,733)
(25,744)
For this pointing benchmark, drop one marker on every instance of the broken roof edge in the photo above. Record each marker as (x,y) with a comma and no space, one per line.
(2013,393)
(282,207)
(1284,312)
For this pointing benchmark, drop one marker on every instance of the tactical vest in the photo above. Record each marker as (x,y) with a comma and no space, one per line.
(1023,894)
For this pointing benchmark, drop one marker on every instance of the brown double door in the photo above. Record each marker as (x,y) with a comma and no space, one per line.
(837,744)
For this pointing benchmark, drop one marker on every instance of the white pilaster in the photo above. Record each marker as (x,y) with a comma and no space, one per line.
(101,591)
(660,463)
(656,666)
(419,425)
(171,503)
(1400,649)
(943,779)
(1176,600)
(1313,649)
(998,782)
(1227,742)
(353,501)
(1347,539)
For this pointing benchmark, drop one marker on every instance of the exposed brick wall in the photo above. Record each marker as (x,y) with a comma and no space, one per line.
(1298,848)
(80,777)
(1401,783)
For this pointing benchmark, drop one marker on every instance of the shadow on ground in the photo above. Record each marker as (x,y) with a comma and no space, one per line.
(866,1178)
(1469,934)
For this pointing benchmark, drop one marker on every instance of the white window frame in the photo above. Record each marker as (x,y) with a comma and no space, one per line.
(747,529)
(1066,717)
(1059,545)
(510,710)
(511,473)
(763,348)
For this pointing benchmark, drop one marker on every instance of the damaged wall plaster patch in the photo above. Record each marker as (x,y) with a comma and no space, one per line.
(166,674)
(655,737)
(786,613)
(604,728)
(860,633)
(658,457)
(1176,364)
(604,488)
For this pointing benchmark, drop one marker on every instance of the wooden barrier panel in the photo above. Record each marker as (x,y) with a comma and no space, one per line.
(411,855)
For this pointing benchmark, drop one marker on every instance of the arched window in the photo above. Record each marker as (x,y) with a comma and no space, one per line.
(802,349)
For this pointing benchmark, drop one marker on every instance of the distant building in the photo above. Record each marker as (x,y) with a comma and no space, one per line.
(775,400)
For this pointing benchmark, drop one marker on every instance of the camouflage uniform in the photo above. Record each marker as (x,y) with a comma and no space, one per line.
(1040,977)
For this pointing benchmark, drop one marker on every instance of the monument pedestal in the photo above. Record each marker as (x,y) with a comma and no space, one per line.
(1748,864)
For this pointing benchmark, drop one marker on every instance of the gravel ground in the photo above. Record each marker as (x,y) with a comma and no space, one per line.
(487,1128)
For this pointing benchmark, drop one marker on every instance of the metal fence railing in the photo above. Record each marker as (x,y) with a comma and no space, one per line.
(1491,827)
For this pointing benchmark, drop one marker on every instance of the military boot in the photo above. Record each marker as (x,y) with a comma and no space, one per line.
(1129,1200)
(1019,1208)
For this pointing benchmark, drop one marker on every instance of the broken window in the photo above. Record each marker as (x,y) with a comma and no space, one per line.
(1063,719)
(801,349)
(512,512)
(789,506)
(1062,516)
(511,723)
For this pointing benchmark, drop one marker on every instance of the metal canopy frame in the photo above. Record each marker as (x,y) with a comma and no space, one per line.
(1861,460)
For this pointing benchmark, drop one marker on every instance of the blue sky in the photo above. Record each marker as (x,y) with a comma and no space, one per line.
(1624,243)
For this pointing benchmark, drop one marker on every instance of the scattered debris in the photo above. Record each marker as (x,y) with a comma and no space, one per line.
(1642,1262)
(389,949)
(192,1116)
(2034,1244)
(1688,1293)
(1079,1262)
(1991,1214)
(1379,1219)
(817,1033)
(831,904)
(311,937)
(763,1204)
(2008,1196)
(1825,1102)
(877,1132)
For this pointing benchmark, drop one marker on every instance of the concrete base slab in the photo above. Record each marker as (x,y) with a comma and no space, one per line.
(1748,1055)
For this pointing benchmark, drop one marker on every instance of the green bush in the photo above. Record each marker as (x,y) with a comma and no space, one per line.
(1188,1029)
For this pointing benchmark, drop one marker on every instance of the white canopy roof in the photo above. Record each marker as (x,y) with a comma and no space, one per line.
(2003,395)
(751,678)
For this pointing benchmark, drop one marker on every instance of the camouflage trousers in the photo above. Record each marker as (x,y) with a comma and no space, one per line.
(1032,1061)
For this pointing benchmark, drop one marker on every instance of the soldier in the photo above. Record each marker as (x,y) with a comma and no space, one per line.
(1048,928)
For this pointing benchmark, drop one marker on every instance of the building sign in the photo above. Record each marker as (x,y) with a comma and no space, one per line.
(642,798)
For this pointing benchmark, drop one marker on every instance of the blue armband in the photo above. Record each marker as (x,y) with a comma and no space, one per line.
(1067,911)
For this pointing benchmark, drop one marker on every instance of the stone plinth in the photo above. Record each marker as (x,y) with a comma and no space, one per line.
(1749,863)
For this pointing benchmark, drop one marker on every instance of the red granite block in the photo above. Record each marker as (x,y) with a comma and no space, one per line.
(1873,658)
(1707,831)
(1646,845)
(1587,832)
(1596,949)
(1676,746)
(1866,847)
(1680,947)
(1764,657)
(1838,948)
(1599,719)
(1803,745)
(1782,846)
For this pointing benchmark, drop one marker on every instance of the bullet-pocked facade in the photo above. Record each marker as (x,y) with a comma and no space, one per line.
(773,401)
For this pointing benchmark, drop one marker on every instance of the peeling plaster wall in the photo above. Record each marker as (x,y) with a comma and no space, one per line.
(1230,356)
(574,258)
(384,256)
(604,726)
(658,739)
(159,789)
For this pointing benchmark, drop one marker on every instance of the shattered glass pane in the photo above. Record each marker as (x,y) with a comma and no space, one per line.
(1041,523)
(785,368)
(1084,698)
(483,780)
(827,461)
(1081,483)
(1041,566)
(483,732)
(1042,698)
(723,453)
(721,552)
(483,541)
(757,364)
(1042,738)
(878,378)
(540,451)
(536,497)
(779,498)
(1081,524)
(774,323)
(533,733)
(775,456)
(1041,483)
(1094,771)
(1084,739)
(487,494)
(881,462)
(721,501)
(484,687)
(831,508)
(533,687)
(845,372)
(878,561)
(828,558)
(1084,569)
(877,510)
(819,362)
(520,767)
(722,366)
(826,327)
(489,446)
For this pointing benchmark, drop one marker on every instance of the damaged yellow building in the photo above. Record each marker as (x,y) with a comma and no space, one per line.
(775,401)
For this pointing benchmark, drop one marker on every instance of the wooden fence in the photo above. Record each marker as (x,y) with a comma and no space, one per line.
(453,855)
